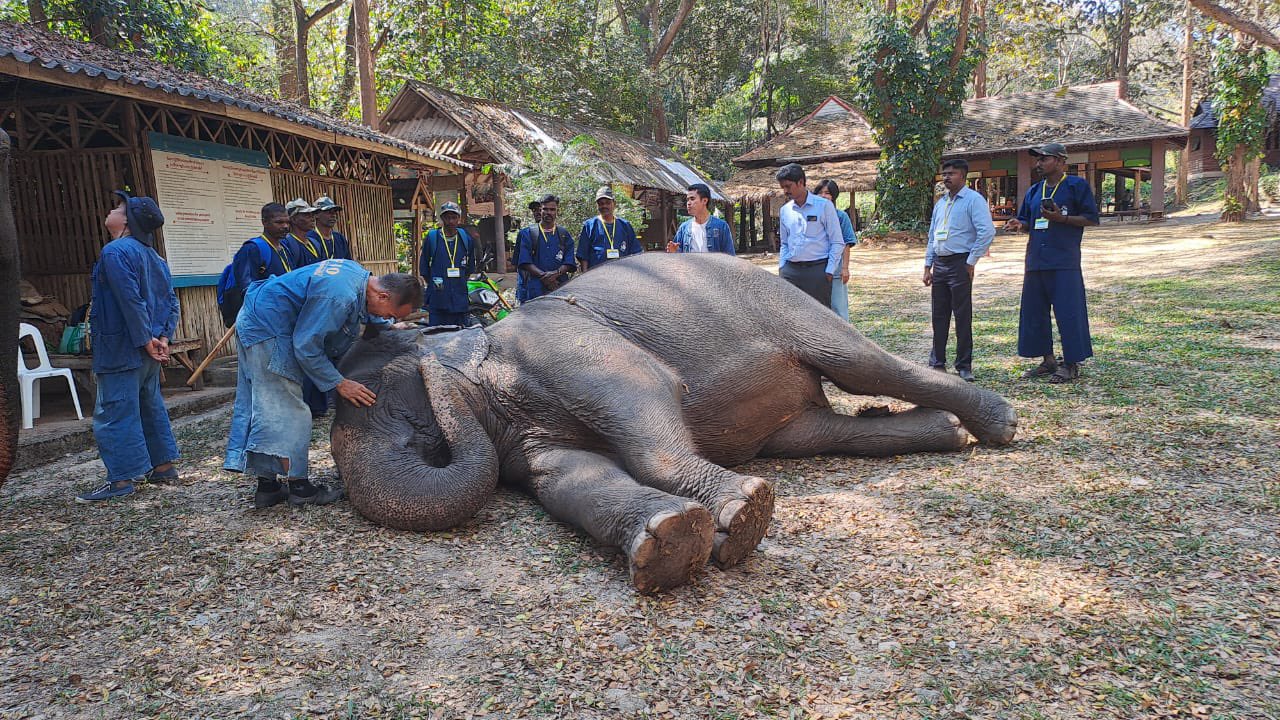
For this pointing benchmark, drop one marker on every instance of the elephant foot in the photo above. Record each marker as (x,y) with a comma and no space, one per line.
(934,430)
(997,422)
(671,548)
(742,523)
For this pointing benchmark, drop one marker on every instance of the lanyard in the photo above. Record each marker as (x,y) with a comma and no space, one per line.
(306,243)
(946,215)
(328,250)
(278,253)
(1044,184)
(544,234)
(452,251)
(609,233)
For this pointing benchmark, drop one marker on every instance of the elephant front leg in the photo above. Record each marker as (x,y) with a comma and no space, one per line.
(820,431)
(666,538)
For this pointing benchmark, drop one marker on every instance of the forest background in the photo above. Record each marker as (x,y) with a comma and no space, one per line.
(710,78)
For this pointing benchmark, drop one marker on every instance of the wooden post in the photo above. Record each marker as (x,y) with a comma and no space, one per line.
(766,220)
(1157,179)
(743,208)
(1024,179)
(1184,159)
(755,238)
(499,227)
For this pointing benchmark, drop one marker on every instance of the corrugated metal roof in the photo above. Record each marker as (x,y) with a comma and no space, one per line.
(32,46)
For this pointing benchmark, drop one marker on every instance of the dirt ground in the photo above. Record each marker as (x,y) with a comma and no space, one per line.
(1118,560)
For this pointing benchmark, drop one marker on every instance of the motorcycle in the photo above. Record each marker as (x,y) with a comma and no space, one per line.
(485,304)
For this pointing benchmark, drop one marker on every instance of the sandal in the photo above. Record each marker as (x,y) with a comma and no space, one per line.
(1066,372)
(1041,370)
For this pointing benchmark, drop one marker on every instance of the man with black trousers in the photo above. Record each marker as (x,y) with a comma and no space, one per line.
(959,235)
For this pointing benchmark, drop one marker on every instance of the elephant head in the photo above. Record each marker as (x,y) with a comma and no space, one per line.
(10,274)
(419,458)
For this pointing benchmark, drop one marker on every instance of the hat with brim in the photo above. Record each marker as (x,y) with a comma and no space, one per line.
(604,193)
(298,207)
(324,203)
(1057,150)
(450,207)
(142,215)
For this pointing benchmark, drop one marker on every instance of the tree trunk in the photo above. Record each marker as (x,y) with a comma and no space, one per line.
(10,274)
(1122,49)
(347,85)
(1252,175)
(364,64)
(1235,199)
(285,40)
(99,29)
(980,75)
(302,54)
(1236,21)
(1184,158)
(37,15)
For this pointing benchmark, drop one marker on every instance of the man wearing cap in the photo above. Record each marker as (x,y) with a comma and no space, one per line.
(447,260)
(292,327)
(1054,212)
(302,222)
(702,232)
(959,235)
(606,237)
(326,237)
(544,253)
(134,313)
(812,245)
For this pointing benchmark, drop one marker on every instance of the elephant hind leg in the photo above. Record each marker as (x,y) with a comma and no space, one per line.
(822,430)
(742,523)
(667,538)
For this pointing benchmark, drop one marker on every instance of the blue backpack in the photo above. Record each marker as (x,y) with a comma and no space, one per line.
(230,297)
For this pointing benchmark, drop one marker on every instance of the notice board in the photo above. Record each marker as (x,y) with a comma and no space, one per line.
(212,197)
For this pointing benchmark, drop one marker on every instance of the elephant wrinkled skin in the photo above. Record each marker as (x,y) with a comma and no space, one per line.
(619,400)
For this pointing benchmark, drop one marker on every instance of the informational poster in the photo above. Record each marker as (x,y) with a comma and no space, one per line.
(212,197)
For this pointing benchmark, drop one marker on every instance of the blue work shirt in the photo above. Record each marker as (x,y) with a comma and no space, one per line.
(133,302)
(313,316)
(810,231)
(334,246)
(544,250)
(444,293)
(248,266)
(307,251)
(960,225)
(1058,246)
(597,237)
(719,236)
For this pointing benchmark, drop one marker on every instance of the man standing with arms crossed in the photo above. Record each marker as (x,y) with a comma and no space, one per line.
(811,245)
(544,253)
(959,235)
(1055,213)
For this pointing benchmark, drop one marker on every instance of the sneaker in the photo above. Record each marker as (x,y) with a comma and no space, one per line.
(965,374)
(160,478)
(302,492)
(270,492)
(107,491)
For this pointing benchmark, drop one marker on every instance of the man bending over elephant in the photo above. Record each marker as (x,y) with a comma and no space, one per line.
(295,326)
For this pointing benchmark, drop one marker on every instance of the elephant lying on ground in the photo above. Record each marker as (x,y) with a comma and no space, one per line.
(619,400)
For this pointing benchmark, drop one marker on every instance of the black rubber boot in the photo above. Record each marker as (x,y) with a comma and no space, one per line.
(303,492)
(270,492)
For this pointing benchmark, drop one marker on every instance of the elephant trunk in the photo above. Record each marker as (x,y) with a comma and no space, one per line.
(387,469)
(10,274)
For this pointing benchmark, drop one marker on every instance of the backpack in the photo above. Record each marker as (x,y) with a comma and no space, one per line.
(230,297)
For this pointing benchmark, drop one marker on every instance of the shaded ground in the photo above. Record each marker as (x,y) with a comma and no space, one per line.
(1119,560)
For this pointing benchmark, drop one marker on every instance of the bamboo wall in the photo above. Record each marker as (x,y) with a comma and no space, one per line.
(366,217)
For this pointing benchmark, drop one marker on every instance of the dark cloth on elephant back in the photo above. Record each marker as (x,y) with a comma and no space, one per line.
(444,266)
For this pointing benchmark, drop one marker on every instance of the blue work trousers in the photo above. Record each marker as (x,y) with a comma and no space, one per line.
(840,297)
(131,424)
(270,421)
(439,317)
(1063,292)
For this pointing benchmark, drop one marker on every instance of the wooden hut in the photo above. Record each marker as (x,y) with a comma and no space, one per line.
(1203,143)
(1103,133)
(483,133)
(86,120)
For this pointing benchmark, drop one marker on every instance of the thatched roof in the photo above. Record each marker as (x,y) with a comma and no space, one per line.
(488,131)
(834,130)
(755,184)
(29,52)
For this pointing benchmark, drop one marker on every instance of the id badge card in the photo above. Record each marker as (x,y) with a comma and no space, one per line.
(454,272)
(1042,224)
(940,235)
(612,254)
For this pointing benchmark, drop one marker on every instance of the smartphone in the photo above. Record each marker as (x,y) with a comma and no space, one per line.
(1046,204)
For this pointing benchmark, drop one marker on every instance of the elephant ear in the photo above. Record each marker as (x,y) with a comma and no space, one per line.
(464,351)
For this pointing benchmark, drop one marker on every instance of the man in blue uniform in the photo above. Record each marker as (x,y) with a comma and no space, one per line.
(812,245)
(326,237)
(703,232)
(606,237)
(1055,212)
(959,235)
(134,314)
(296,326)
(447,260)
(544,253)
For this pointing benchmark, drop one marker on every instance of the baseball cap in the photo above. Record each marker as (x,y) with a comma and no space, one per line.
(298,207)
(604,192)
(450,207)
(324,202)
(1050,150)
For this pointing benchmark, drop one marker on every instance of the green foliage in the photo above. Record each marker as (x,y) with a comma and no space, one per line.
(1240,74)
(909,92)
(573,174)
(1270,185)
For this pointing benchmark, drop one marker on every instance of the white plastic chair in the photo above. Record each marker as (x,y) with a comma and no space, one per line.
(28,378)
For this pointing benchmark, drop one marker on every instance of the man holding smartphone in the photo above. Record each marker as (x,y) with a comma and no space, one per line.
(1054,212)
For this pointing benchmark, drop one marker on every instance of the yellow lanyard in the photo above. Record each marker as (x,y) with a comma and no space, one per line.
(453,251)
(279,253)
(946,215)
(609,233)
(306,243)
(544,234)
(328,250)
(1044,184)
